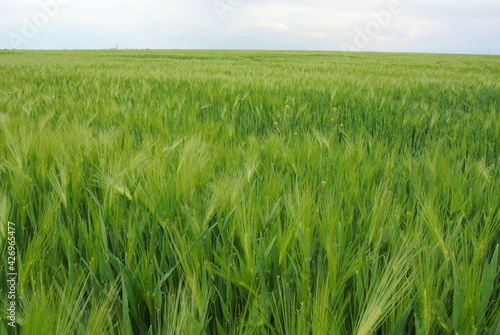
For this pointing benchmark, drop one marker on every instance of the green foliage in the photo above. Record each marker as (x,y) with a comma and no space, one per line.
(243,192)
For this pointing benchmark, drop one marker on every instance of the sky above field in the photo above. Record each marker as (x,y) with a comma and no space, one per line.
(438,26)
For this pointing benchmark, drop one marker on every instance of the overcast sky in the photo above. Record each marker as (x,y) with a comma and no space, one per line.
(442,26)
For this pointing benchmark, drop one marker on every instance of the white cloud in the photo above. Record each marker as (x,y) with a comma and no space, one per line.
(314,35)
(278,27)
(414,33)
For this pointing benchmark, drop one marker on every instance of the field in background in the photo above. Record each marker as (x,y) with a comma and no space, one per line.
(238,192)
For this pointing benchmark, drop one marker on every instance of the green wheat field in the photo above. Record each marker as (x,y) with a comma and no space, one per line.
(250,192)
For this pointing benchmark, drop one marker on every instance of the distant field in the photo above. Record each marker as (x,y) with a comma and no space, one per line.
(244,192)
